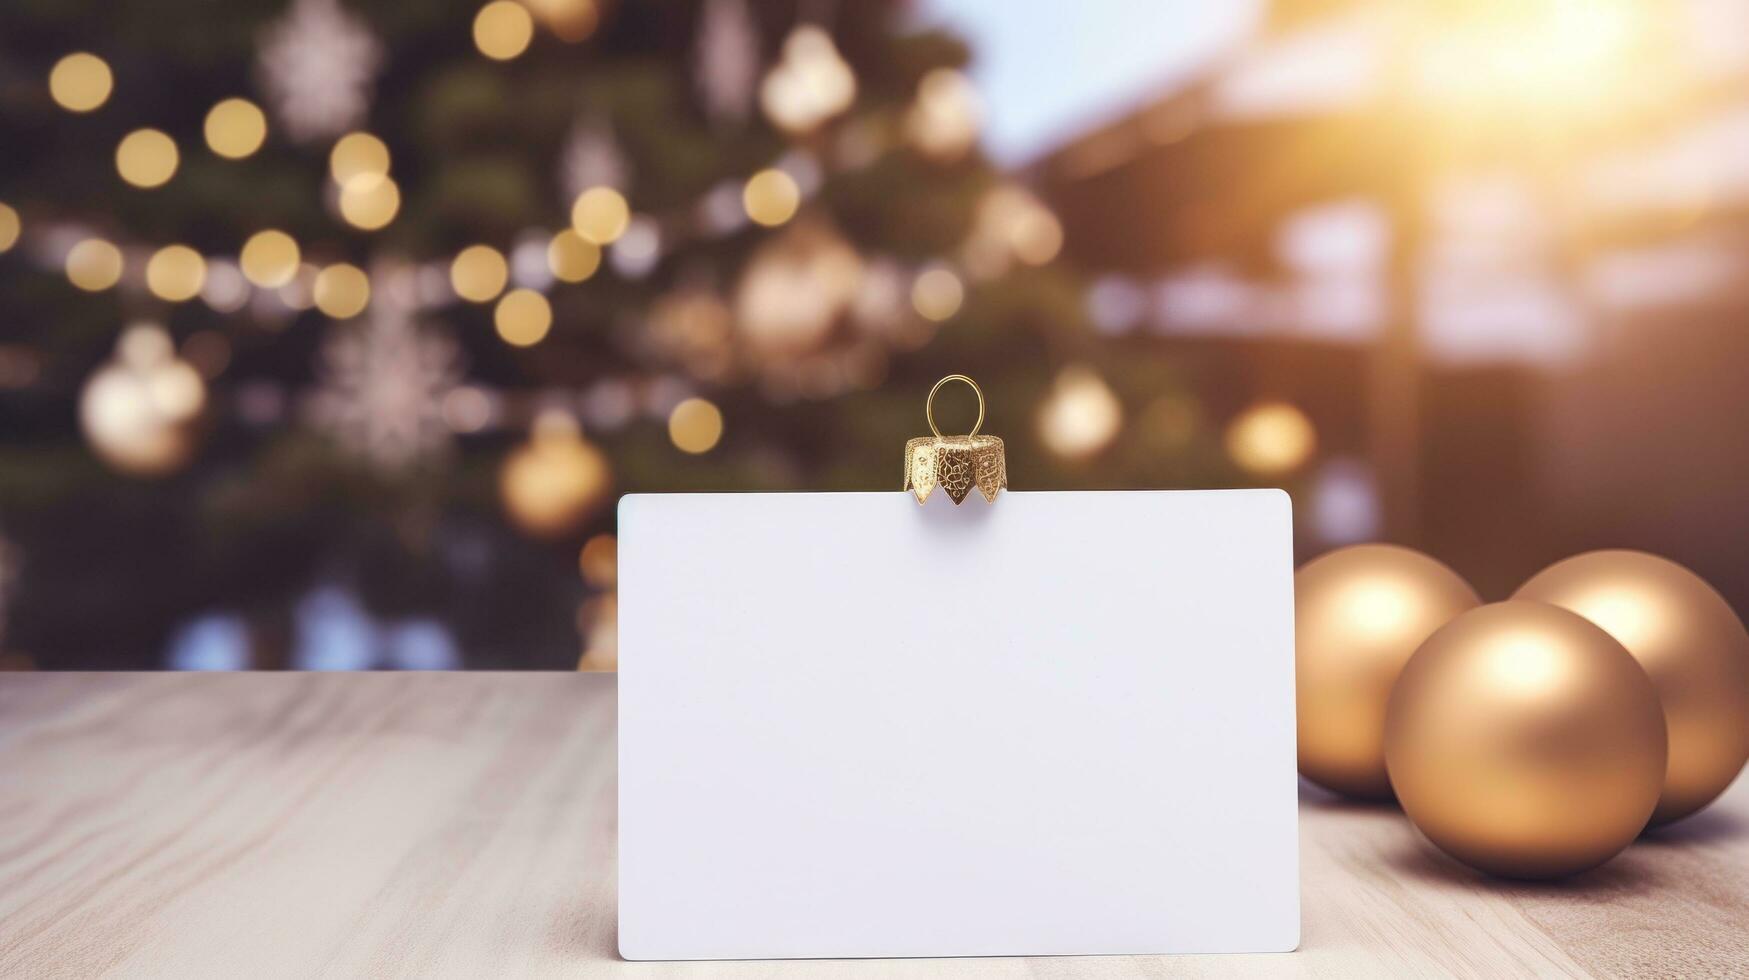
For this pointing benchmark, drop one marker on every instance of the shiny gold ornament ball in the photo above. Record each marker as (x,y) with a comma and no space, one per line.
(1525,741)
(1694,647)
(1359,612)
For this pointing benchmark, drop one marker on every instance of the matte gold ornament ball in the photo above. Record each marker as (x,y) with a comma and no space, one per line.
(1694,647)
(1525,741)
(1359,612)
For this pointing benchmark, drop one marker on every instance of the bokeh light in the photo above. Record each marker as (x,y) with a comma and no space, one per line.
(358,155)
(9,227)
(94,265)
(175,273)
(1081,415)
(695,425)
(523,317)
(146,158)
(503,29)
(556,479)
(571,257)
(269,258)
(235,128)
(599,561)
(136,411)
(569,20)
(600,214)
(369,201)
(944,121)
(771,197)
(80,82)
(937,294)
(1271,438)
(342,290)
(478,273)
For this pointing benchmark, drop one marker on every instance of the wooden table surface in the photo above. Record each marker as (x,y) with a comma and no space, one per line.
(428,825)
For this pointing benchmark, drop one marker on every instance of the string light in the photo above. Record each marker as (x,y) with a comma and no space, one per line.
(9,227)
(695,426)
(771,197)
(571,257)
(146,158)
(1081,415)
(94,265)
(80,82)
(235,128)
(358,155)
(342,290)
(479,273)
(503,29)
(523,317)
(269,259)
(369,201)
(600,214)
(175,273)
(937,294)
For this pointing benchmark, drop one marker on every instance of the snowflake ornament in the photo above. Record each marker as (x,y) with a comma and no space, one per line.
(382,386)
(317,63)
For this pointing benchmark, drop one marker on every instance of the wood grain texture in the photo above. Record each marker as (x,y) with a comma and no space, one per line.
(429,825)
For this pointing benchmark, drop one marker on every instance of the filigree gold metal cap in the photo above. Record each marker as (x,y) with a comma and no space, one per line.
(957,463)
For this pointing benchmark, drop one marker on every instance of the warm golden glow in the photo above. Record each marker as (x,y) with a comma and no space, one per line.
(358,155)
(937,294)
(342,290)
(1510,57)
(502,29)
(600,215)
(94,265)
(80,82)
(1271,438)
(571,257)
(146,158)
(369,202)
(175,273)
(695,426)
(479,273)
(235,128)
(9,227)
(269,258)
(523,317)
(771,197)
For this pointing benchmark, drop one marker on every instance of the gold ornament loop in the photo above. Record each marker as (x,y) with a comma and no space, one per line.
(955,463)
(929,404)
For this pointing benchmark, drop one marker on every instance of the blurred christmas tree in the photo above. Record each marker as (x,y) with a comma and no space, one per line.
(395,298)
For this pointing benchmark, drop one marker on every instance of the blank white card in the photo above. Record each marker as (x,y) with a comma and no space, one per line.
(851,726)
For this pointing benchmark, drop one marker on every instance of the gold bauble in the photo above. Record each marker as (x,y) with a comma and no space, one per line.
(1525,741)
(1694,647)
(1359,612)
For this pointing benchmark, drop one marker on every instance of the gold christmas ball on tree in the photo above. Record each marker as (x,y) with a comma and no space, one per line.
(1687,638)
(1359,612)
(1525,741)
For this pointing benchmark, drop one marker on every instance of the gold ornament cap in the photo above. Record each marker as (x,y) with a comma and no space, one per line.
(956,463)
